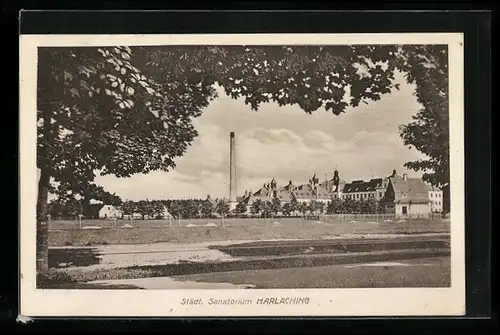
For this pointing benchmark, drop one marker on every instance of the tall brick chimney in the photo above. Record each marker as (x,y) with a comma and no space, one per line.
(232,168)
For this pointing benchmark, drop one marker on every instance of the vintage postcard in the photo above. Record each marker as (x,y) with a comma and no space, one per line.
(242,175)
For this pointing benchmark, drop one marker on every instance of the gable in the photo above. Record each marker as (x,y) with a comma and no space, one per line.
(415,190)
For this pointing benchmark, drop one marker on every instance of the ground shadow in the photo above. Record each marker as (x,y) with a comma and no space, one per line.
(64,257)
(186,268)
(291,248)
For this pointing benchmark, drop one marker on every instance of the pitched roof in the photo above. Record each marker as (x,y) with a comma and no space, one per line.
(288,186)
(411,189)
(329,185)
(252,197)
(376,182)
(101,206)
(211,201)
(305,191)
(363,186)
(434,188)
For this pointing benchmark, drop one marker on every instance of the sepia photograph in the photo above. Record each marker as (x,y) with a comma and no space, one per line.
(275,170)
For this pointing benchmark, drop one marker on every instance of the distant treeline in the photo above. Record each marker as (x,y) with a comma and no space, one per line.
(185,208)
(201,208)
(294,207)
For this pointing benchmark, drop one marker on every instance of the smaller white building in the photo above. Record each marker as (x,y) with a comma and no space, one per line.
(110,212)
(436,199)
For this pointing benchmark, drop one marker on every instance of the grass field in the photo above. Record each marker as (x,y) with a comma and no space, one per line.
(421,273)
(67,233)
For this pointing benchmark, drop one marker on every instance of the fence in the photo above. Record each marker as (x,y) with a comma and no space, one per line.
(376,217)
(357,217)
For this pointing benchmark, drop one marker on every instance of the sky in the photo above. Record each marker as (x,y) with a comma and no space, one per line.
(281,142)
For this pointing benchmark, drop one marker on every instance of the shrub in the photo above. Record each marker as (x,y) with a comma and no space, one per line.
(53,278)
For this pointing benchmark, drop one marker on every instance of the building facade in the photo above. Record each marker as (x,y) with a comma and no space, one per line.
(110,212)
(436,198)
(411,198)
(397,194)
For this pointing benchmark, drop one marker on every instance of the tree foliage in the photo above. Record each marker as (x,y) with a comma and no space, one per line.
(275,207)
(294,205)
(303,207)
(241,208)
(257,207)
(369,206)
(129,207)
(222,207)
(316,207)
(287,209)
(427,67)
(189,208)
(335,206)
(206,208)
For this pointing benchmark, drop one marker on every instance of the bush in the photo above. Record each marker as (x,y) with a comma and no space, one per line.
(53,278)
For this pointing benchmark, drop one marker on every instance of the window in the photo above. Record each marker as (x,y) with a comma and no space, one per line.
(380,194)
(405,210)
(431,195)
(357,196)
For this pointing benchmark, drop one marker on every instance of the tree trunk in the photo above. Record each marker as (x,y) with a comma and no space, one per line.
(86,206)
(446,199)
(42,262)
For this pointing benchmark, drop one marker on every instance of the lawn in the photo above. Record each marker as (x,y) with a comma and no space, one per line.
(422,273)
(63,233)
(54,278)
